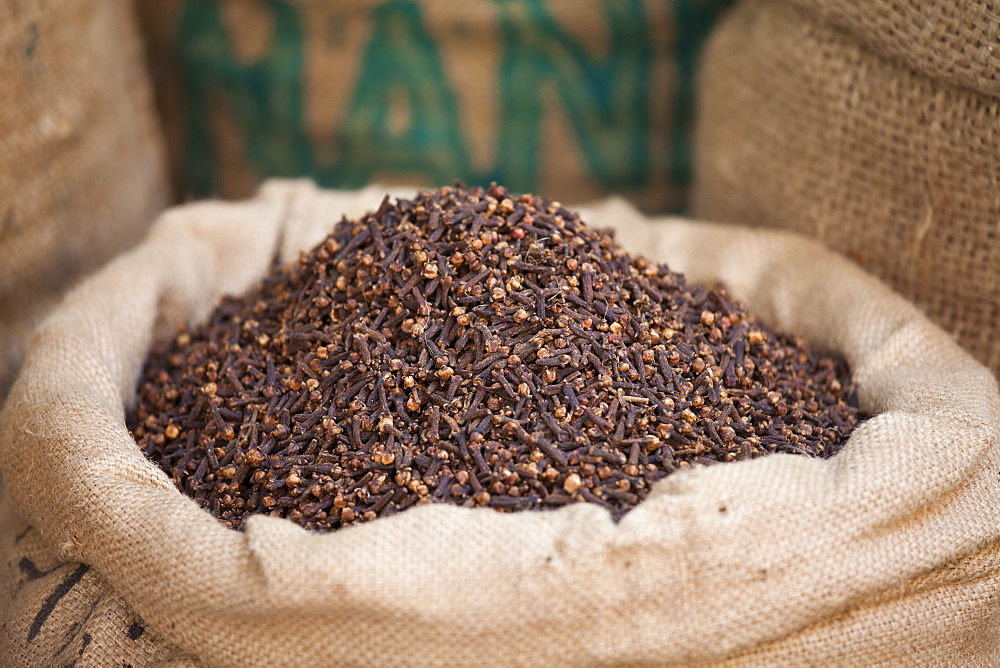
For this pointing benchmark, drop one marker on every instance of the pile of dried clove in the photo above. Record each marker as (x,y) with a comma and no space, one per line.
(476,348)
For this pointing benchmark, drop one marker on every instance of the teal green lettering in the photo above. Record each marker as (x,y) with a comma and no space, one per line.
(264,98)
(606,101)
(694,19)
(401,68)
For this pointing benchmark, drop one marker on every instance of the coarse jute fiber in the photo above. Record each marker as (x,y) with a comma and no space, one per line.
(873,126)
(82,167)
(888,553)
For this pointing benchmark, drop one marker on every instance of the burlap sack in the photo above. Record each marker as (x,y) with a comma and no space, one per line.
(573,99)
(874,126)
(82,170)
(887,553)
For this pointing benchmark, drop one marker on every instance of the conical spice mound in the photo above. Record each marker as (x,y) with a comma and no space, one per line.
(477,348)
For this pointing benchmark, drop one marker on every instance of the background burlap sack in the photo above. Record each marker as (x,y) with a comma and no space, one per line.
(874,126)
(565,97)
(82,169)
(887,553)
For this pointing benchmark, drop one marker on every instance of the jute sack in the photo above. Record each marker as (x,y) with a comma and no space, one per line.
(82,170)
(887,553)
(873,126)
(573,99)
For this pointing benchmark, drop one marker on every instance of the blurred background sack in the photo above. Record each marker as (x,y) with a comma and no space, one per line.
(81,164)
(570,98)
(874,126)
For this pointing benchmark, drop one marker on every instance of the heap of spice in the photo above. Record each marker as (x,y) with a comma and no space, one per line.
(476,348)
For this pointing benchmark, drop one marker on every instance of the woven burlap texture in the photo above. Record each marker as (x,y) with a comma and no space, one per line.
(953,42)
(886,553)
(874,127)
(82,168)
